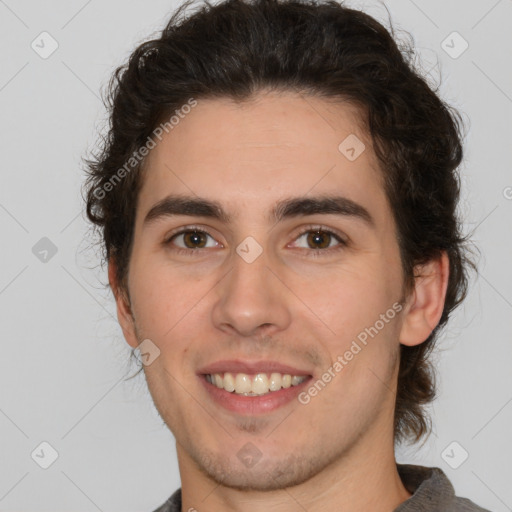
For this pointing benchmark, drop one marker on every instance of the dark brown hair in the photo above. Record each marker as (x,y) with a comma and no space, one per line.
(235,49)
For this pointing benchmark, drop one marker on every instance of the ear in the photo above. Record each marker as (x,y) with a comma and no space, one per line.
(425,304)
(124,313)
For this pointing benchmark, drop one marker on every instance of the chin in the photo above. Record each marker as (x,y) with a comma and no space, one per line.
(264,475)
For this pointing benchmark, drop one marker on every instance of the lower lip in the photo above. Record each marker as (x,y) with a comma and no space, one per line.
(252,405)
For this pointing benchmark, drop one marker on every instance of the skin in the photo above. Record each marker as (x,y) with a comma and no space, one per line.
(287,305)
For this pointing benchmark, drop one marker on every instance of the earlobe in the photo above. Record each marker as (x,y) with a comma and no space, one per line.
(426,302)
(124,313)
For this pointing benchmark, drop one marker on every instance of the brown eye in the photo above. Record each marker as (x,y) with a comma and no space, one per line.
(319,239)
(189,240)
(194,239)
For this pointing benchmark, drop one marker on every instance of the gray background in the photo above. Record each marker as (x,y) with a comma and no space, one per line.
(63,356)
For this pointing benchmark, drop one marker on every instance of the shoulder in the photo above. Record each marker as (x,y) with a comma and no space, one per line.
(173,504)
(431,491)
(430,488)
(465,505)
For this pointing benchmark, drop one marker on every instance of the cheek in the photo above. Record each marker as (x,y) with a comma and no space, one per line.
(351,297)
(360,307)
(166,300)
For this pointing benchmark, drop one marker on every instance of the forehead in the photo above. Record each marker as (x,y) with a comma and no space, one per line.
(275,145)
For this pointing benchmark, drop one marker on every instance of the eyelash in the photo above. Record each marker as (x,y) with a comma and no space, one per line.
(315,253)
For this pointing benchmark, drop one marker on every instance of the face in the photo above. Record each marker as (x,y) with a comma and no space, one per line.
(274,281)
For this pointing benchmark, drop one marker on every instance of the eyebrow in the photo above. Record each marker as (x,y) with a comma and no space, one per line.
(173,205)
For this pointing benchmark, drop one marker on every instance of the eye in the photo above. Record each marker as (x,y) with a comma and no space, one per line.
(189,239)
(321,240)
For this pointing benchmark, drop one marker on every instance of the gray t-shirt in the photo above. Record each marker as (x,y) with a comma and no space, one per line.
(430,488)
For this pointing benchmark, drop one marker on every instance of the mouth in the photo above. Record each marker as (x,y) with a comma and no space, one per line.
(260,384)
(253,394)
(252,387)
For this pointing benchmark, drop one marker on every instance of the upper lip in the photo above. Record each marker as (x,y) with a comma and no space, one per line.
(251,367)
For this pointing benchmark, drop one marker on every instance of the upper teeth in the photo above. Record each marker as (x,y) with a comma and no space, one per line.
(258,384)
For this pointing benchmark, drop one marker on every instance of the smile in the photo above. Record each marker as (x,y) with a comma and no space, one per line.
(254,385)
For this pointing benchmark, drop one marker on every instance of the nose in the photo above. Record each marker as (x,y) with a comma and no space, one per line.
(251,299)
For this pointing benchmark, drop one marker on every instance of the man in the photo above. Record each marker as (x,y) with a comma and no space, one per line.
(277,202)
